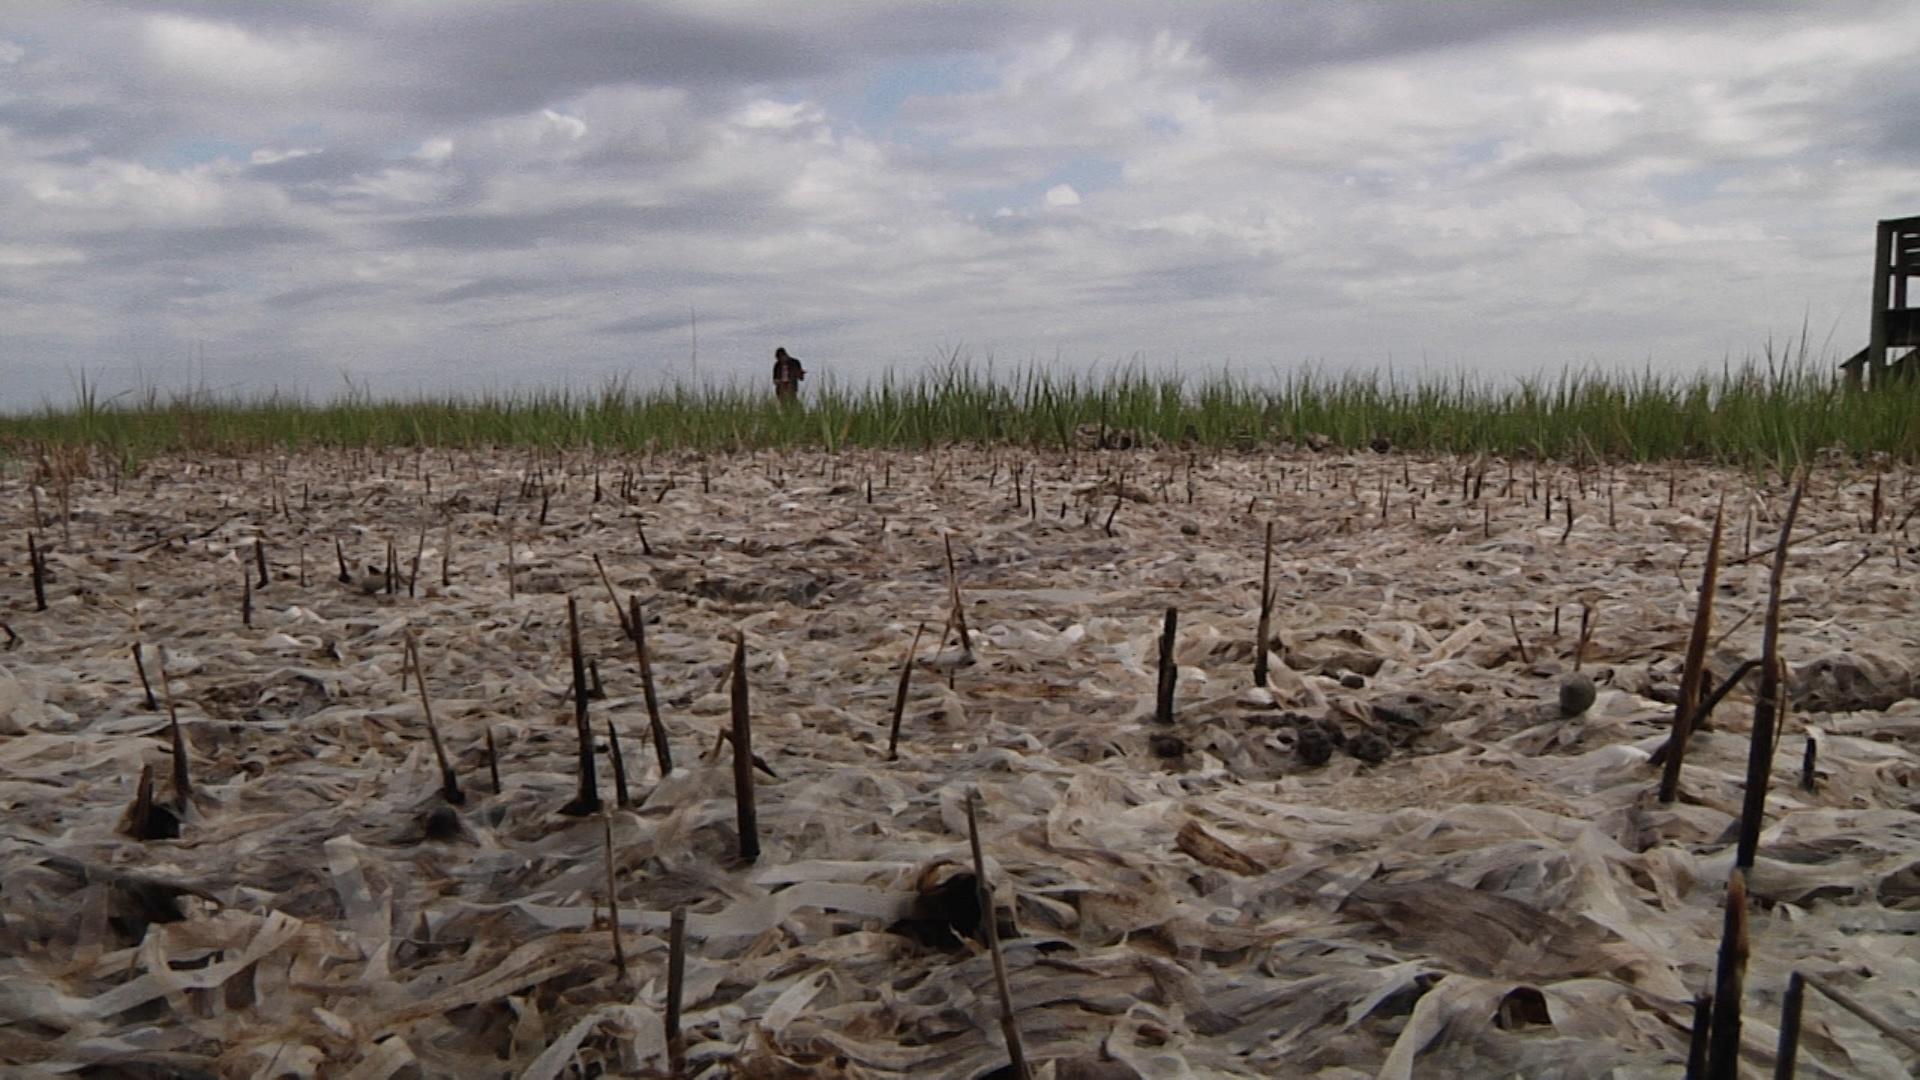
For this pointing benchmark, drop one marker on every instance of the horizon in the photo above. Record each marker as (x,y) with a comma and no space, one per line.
(431,199)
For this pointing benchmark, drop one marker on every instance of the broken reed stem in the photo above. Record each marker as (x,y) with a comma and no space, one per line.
(620,797)
(1518,642)
(393,569)
(146,687)
(1723,1047)
(676,984)
(260,561)
(990,924)
(1266,612)
(1692,673)
(612,598)
(1809,758)
(953,594)
(510,592)
(182,782)
(1697,1038)
(1902,1035)
(340,556)
(900,694)
(1769,704)
(493,761)
(745,818)
(613,902)
(1169,669)
(587,799)
(446,557)
(37,563)
(419,552)
(449,782)
(1586,635)
(1783,1060)
(637,621)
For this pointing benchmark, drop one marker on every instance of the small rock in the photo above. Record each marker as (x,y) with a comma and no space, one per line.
(1166,746)
(1369,748)
(1317,442)
(1313,746)
(1189,529)
(1353,681)
(1576,695)
(1381,444)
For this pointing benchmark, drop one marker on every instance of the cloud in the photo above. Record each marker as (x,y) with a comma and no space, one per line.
(435,191)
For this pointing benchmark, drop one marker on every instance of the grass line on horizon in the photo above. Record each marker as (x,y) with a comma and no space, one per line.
(1772,413)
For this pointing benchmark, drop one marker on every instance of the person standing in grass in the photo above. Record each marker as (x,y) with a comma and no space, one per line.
(787,374)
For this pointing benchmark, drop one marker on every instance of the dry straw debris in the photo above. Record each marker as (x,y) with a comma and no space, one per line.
(1404,854)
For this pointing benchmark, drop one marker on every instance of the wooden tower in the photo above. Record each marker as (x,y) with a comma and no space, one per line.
(1896,257)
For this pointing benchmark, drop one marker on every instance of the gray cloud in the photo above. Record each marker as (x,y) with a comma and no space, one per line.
(435,191)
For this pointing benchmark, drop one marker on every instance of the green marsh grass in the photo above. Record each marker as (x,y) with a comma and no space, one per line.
(1768,413)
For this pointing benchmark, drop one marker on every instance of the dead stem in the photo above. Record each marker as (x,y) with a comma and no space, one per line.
(1769,705)
(587,799)
(742,733)
(1723,1048)
(636,619)
(900,694)
(449,782)
(1693,670)
(1009,1025)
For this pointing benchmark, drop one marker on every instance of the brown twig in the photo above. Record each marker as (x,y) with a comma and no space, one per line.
(620,797)
(182,781)
(1261,627)
(1723,1048)
(637,620)
(1009,1026)
(37,563)
(745,817)
(1784,1059)
(1692,673)
(449,782)
(1769,705)
(493,761)
(953,594)
(1169,669)
(587,799)
(900,695)
(613,902)
(676,983)
(140,667)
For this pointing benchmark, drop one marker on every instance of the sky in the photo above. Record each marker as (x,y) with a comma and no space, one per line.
(454,196)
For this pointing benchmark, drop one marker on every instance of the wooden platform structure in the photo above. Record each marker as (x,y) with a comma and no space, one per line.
(1896,257)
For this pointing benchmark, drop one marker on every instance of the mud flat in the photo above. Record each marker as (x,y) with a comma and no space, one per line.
(1430,845)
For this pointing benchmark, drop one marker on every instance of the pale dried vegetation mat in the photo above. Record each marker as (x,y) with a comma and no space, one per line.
(1469,883)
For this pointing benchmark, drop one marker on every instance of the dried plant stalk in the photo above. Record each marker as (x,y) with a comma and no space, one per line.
(1261,628)
(1169,669)
(449,782)
(636,619)
(182,779)
(990,926)
(1769,705)
(586,799)
(742,734)
(676,984)
(900,694)
(1723,1048)
(613,902)
(1692,672)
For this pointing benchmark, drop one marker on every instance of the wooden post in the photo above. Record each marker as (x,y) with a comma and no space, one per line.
(1882,278)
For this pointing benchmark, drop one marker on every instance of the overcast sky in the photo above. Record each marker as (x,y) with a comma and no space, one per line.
(447,195)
